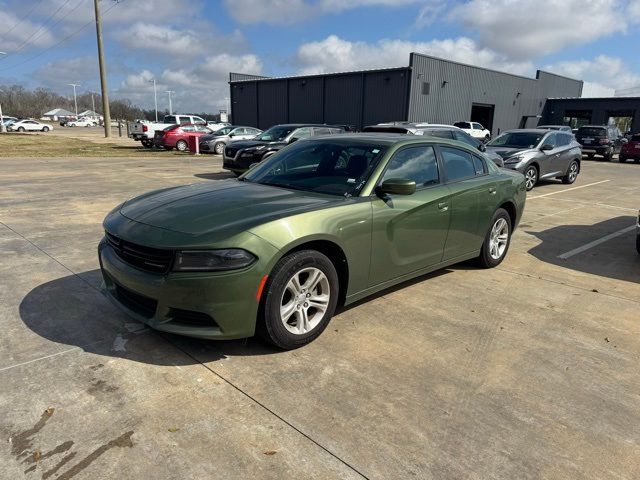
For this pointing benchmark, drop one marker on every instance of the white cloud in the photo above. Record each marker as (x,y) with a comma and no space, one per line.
(602,75)
(525,29)
(291,11)
(202,88)
(26,35)
(334,54)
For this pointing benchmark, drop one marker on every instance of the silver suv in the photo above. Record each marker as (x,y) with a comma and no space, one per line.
(216,141)
(539,154)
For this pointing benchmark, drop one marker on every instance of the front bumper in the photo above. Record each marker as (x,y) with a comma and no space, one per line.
(220,305)
(240,162)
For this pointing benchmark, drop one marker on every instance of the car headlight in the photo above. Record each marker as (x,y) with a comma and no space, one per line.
(212,260)
(514,159)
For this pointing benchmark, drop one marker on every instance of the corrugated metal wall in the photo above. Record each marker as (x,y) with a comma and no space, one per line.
(454,88)
(600,109)
(358,99)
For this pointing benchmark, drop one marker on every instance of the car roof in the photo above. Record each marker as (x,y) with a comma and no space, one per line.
(528,130)
(298,125)
(392,139)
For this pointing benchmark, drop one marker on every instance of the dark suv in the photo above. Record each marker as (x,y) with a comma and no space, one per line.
(600,140)
(436,130)
(240,155)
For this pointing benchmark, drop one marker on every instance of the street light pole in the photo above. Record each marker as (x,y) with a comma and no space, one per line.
(169,92)
(155,97)
(75,101)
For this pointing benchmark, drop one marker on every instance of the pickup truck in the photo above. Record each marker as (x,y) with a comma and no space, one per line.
(145,131)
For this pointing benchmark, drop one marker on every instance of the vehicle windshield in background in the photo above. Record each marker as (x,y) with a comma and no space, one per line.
(594,132)
(517,140)
(333,168)
(275,134)
(222,131)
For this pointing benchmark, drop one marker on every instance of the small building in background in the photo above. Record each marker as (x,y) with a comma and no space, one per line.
(430,89)
(57,114)
(91,114)
(624,112)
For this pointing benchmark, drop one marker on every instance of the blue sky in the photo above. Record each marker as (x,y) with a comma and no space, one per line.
(189,46)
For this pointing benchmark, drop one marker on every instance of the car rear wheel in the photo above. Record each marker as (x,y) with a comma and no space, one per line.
(219,148)
(572,173)
(21,129)
(607,156)
(622,159)
(182,146)
(45,129)
(300,298)
(147,143)
(168,149)
(496,241)
(531,177)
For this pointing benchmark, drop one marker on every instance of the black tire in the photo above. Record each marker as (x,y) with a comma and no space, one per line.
(486,259)
(572,173)
(622,159)
(21,129)
(607,156)
(182,146)
(531,176)
(590,155)
(45,129)
(486,138)
(218,148)
(271,326)
(168,149)
(147,143)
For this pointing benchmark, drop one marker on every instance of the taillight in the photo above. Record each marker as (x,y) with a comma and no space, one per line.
(604,141)
(145,128)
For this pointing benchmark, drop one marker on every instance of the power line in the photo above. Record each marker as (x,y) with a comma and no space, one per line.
(41,29)
(22,19)
(71,35)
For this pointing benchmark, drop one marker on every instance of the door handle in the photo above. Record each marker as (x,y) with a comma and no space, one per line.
(443,206)
(492,190)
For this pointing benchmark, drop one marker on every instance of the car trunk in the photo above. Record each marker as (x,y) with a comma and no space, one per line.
(592,136)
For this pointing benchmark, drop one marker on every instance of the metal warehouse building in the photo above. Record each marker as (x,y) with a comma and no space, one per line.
(430,90)
(622,111)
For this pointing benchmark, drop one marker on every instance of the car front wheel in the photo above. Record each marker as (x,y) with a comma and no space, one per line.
(531,177)
(181,146)
(572,173)
(496,241)
(300,298)
(21,129)
(219,148)
(45,129)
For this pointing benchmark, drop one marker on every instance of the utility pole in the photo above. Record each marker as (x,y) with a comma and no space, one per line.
(75,101)
(169,92)
(103,73)
(155,97)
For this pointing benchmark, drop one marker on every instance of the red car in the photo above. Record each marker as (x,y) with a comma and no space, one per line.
(631,149)
(177,136)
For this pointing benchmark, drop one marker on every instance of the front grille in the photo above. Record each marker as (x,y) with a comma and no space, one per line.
(145,306)
(145,258)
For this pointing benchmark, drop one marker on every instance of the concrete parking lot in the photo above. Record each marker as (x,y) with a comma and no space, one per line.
(526,371)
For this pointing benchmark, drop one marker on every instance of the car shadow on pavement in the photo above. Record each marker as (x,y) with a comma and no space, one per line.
(215,176)
(71,311)
(613,257)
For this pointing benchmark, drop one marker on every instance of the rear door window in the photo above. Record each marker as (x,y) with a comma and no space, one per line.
(465,138)
(462,125)
(188,128)
(170,119)
(458,164)
(477,126)
(563,139)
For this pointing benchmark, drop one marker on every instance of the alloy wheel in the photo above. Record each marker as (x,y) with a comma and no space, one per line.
(219,148)
(530,177)
(573,172)
(181,145)
(305,300)
(498,239)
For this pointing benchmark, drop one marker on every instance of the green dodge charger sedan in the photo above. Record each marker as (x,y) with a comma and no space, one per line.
(324,222)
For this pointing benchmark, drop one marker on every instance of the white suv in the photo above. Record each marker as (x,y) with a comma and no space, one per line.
(475,130)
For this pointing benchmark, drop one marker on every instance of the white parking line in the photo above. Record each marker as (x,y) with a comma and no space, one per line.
(589,245)
(568,189)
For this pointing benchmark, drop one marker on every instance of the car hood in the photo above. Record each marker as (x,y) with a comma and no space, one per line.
(227,206)
(505,152)
(254,143)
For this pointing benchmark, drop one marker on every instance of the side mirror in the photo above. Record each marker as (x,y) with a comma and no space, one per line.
(482,147)
(231,135)
(546,146)
(397,186)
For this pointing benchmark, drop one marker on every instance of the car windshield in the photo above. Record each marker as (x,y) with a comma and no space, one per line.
(275,134)
(223,131)
(592,131)
(332,167)
(517,140)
